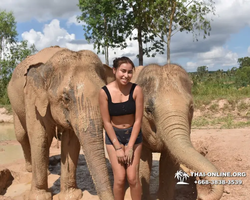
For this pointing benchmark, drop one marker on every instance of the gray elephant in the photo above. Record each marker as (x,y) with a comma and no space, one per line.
(166,127)
(58,89)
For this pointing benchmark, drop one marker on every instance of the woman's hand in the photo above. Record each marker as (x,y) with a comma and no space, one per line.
(120,155)
(129,153)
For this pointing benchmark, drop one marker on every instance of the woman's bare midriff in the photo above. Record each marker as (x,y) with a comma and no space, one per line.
(123,121)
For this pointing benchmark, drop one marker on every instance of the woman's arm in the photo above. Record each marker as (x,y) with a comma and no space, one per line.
(103,102)
(138,96)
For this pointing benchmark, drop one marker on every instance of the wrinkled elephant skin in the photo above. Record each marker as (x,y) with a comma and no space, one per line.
(166,126)
(57,89)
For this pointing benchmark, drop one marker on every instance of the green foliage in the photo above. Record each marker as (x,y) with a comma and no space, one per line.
(110,22)
(104,23)
(231,85)
(202,70)
(8,31)
(169,17)
(242,77)
(13,52)
(244,62)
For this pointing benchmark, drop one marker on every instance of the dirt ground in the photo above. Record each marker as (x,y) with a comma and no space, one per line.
(227,149)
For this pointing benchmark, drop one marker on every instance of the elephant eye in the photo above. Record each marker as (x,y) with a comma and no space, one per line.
(148,109)
(65,98)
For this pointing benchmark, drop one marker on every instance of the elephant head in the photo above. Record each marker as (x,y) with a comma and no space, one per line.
(167,121)
(63,92)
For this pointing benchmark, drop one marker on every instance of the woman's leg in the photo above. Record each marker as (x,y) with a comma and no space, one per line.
(133,174)
(118,172)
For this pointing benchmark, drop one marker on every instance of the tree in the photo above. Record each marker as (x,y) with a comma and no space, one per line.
(242,77)
(139,15)
(167,17)
(12,52)
(202,70)
(8,31)
(244,62)
(110,22)
(103,26)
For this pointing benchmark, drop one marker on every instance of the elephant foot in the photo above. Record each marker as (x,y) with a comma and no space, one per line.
(39,195)
(70,194)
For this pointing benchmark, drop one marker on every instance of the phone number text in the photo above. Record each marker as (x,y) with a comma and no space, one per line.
(219,182)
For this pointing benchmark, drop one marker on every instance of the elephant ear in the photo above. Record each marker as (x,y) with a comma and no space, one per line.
(109,73)
(37,82)
(42,103)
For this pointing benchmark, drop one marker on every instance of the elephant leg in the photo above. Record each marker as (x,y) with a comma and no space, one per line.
(22,138)
(40,153)
(69,158)
(145,171)
(168,167)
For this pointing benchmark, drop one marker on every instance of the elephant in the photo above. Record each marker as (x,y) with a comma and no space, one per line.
(57,89)
(166,128)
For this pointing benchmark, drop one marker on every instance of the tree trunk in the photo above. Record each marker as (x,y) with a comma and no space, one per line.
(140,46)
(107,55)
(106,48)
(170,31)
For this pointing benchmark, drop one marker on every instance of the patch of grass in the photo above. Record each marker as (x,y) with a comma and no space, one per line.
(222,122)
(227,122)
(233,103)
(242,124)
(226,107)
(200,122)
(214,107)
(242,106)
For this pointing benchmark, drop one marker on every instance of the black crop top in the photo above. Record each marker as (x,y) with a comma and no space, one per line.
(123,108)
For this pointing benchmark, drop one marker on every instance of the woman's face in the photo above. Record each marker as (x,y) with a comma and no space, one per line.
(123,73)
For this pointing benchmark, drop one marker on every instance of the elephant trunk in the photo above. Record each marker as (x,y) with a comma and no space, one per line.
(176,132)
(90,134)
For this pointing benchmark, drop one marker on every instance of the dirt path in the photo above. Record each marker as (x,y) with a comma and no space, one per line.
(228,149)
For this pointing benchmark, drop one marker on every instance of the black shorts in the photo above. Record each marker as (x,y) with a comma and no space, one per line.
(123,136)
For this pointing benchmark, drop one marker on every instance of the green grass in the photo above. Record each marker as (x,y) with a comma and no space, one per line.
(204,94)
(242,106)
(225,122)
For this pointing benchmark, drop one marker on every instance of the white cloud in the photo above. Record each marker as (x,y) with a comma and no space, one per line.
(73,20)
(209,52)
(248,51)
(192,66)
(25,10)
(52,35)
(215,53)
(217,56)
(231,15)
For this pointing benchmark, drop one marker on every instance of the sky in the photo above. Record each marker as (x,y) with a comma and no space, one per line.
(53,22)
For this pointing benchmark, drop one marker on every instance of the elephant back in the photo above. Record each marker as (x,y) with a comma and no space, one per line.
(41,57)
(84,62)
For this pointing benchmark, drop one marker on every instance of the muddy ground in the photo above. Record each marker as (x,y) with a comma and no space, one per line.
(227,149)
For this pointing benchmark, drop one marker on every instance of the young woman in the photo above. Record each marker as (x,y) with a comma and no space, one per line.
(121,105)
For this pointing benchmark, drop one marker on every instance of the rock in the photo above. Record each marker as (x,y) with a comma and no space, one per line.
(6,179)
